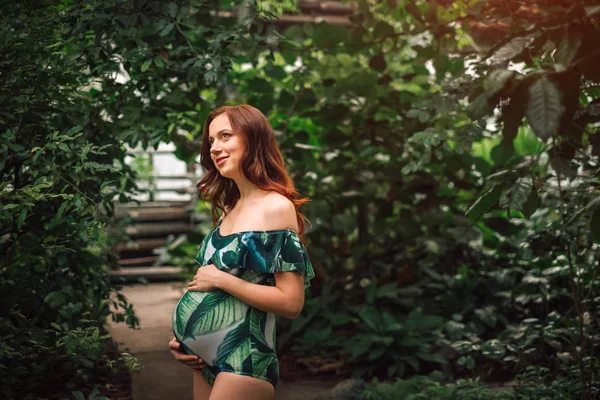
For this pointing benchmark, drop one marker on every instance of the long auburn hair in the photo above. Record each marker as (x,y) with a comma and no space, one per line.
(262,163)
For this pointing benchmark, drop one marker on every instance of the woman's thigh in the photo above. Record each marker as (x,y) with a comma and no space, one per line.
(202,389)
(229,386)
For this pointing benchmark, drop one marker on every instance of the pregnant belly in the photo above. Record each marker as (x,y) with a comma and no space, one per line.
(201,320)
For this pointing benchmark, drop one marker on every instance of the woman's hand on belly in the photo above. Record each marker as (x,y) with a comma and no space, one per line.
(192,361)
(207,278)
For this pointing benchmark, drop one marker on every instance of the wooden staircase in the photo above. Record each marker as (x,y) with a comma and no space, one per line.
(151,224)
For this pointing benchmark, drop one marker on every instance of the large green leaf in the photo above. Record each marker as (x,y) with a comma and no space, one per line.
(372,318)
(497,81)
(544,108)
(480,107)
(511,49)
(531,204)
(236,346)
(261,361)
(501,154)
(567,48)
(484,147)
(485,202)
(595,203)
(526,143)
(258,320)
(516,196)
(212,311)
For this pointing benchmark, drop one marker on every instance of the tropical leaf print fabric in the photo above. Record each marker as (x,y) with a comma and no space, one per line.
(225,332)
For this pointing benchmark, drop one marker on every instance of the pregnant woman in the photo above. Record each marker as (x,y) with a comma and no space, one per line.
(253,263)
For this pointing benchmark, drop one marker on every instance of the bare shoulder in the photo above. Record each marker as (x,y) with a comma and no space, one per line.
(280,213)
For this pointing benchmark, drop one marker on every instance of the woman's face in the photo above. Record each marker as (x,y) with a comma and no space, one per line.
(226,147)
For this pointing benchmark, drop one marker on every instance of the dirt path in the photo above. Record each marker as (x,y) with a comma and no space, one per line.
(162,377)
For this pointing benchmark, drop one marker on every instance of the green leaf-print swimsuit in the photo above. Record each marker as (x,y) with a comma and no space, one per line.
(225,332)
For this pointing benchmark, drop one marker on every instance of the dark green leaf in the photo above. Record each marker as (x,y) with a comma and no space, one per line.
(158,61)
(275,72)
(544,108)
(485,202)
(383,29)
(512,116)
(172,10)
(78,395)
(376,353)
(146,65)
(480,107)
(511,49)
(167,29)
(531,204)
(497,81)
(567,48)
(515,197)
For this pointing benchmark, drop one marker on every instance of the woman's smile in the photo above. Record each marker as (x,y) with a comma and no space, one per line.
(221,160)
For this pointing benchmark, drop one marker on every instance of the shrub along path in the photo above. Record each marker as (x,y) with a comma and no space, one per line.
(162,377)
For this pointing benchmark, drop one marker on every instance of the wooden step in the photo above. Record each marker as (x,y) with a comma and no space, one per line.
(158,228)
(151,274)
(140,244)
(190,177)
(326,7)
(155,204)
(138,261)
(154,214)
(152,223)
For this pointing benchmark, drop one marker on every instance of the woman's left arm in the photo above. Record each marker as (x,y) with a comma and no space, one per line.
(285,299)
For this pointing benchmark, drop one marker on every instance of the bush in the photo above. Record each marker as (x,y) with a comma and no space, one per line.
(427,388)
(66,115)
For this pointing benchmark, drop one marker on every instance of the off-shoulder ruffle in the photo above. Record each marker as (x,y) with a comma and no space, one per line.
(259,251)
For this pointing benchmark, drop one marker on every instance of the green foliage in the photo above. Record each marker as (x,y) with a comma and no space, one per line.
(81,80)
(374,122)
(423,387)
(372,341)
(534,383)
(537,382)
(94,395)
(275,8)
(384,342)
(376,131)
